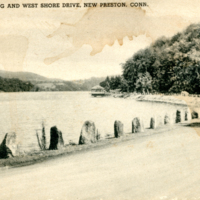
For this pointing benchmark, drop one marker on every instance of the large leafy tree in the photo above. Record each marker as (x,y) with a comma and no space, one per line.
(143,83)
(106,84)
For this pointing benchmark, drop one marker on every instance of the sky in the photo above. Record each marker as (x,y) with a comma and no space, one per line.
(79,43)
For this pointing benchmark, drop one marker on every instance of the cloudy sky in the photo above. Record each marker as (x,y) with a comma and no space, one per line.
(78,43)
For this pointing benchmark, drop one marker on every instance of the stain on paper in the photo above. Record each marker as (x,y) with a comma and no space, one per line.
(13,50)
(99,27)
(150,144)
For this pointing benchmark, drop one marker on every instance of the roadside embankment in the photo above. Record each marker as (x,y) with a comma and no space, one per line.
(40,156)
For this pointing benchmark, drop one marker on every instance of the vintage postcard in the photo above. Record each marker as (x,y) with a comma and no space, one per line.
(99,99)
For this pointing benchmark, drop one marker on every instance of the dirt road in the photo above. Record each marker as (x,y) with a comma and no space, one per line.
(160,166)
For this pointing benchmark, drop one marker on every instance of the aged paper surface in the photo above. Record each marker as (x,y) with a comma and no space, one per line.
(73,41)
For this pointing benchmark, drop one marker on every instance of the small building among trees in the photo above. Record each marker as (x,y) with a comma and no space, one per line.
(98,91)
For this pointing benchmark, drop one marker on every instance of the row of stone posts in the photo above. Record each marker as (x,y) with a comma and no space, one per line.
(138,126)
(89,133)
(10,148)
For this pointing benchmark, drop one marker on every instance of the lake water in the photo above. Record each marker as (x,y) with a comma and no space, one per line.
(23,113)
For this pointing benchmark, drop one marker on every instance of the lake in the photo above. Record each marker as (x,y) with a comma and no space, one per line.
(23,113)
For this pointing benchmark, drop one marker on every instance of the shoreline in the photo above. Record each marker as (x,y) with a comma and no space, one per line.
(162,99)
(191,101)
(40,156)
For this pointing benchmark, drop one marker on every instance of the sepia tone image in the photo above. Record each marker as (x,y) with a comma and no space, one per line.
(100,100)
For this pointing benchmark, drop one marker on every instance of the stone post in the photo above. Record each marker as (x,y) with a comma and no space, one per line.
(56,139)
(178,116)
(88,133)
(137,125)
(152,123)
(118,129)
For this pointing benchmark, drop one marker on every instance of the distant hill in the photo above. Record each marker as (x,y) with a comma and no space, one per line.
(26,76)
(42,83)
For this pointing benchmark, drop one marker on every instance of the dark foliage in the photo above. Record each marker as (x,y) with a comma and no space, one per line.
(168,65)
(112,83)
(15,85)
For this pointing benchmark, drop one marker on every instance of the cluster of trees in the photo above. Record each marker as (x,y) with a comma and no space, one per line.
(143,83)
(168,65)
(15,85)
(111,83)
(89,83)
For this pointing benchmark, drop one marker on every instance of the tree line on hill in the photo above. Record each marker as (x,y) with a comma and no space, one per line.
(169,65)
(15,85)
(79,85)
